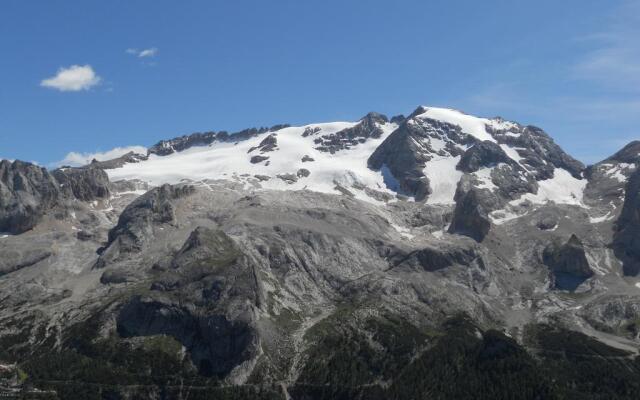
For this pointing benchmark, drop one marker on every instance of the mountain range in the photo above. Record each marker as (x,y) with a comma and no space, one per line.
(435,255)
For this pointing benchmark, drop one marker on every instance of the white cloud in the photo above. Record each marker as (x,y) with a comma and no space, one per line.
(144,53)
(76,159)
(148,52)
(73,79)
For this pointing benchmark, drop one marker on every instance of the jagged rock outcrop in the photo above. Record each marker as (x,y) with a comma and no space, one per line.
(626,238)
(433,259)
(568,263)
(401,156)
(471,213)
(608,178)
(27,192)
(538,152)
(483,154)
(129,158)
(268,144)
(629,154)
(85,184)
(206,247)
(137,222)
(344,139)
(303,173)
(166,147)
(258,159)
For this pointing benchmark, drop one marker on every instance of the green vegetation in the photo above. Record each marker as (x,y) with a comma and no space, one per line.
(349,356)
(384,360)
(353,354)
(583,367)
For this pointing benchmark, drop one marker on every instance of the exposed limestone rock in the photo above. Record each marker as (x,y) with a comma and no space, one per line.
(568,263)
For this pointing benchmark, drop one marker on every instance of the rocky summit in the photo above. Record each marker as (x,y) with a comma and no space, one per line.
(439,255)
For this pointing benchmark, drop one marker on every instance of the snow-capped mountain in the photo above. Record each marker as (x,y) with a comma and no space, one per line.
(421,157)
(260,260)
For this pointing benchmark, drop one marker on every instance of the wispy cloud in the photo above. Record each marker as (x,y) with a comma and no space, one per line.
(76,159)
(72,79)
(613,59)
(144,53)
(513,98)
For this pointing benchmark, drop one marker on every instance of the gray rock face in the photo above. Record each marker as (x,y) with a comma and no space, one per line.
(510,182)
(288,178)
(568,263)
(166,147)
(262,178)
(405,154)
(26,193)
(215,344)
(629,154)
(626,239)
(471,213)
(194,302)
(84,184)
(129,158)
(258,159)
(539,152)
(303,173)
(607,179)
(483,154)
(547,222)
(398,119)
(14,260)
(268,144)
(137,222)
(401,155)
(433,259)
(347,138)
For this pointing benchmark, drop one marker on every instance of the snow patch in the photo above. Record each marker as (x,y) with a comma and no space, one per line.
(231,161)
(619,171)
(484,177)
(563,188)
(469,124)
(512,153)
(503,125)
(404,232)
(607,217)
(443,179)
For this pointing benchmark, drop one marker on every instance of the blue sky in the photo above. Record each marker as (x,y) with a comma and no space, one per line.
(144,70)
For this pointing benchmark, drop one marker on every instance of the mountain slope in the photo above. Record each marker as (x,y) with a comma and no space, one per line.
(439,255)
